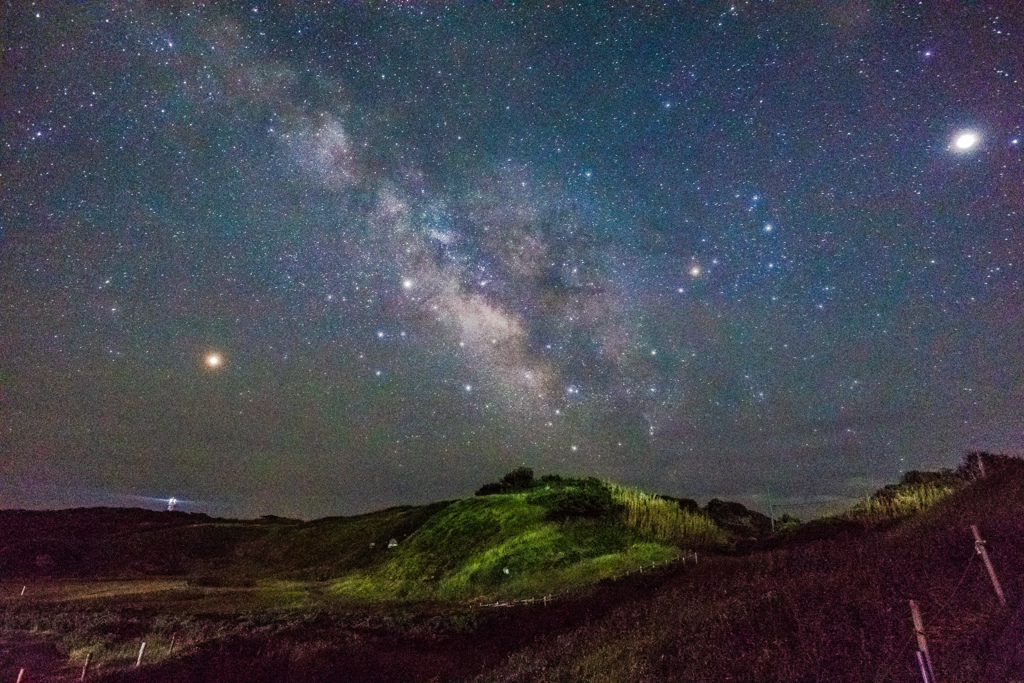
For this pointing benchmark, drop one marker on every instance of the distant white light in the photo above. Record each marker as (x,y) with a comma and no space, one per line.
(469,387)
(768,227)
(171,502)
(695,271)
(406,284)
(966,140)
(214,360)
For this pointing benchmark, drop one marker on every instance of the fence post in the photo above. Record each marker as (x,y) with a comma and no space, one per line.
(85,667)
(170,650)
(20,674)
(138,662)
(921,664)
(922,644)
(979,547)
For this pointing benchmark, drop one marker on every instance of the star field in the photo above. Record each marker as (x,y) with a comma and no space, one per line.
(318,259)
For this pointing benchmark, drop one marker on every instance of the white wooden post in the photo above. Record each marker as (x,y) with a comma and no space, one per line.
(924,670)
(922,642)
(138,662)
(23,589)
(979,547)
(85,667)
(20,674)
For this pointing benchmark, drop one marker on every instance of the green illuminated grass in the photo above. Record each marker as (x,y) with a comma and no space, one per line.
(902,500)
(509,545)
(666,521)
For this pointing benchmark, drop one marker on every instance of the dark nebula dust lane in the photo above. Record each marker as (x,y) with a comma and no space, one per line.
(312,260)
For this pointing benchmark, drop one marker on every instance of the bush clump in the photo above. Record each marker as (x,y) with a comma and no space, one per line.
(591,500)
(519,479)
(739,520)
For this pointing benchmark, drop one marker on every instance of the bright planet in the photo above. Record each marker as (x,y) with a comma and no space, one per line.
(966,141)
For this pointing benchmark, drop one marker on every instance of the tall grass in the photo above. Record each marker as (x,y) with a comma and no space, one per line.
(666,521)
(901,500)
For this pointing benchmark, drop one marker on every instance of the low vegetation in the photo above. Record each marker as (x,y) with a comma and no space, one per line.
(916,492)
(669,521)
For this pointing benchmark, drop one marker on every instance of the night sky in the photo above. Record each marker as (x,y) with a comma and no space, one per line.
(321,259)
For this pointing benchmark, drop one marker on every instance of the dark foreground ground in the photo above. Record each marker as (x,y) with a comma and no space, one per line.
(396,643)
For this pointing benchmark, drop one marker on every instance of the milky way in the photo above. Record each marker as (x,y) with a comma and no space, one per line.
(312,260)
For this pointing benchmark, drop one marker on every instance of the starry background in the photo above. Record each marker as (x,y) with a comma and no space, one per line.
(715,249)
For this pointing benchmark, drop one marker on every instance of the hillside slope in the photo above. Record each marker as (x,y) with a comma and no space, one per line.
(129,543)
(832,609)
(508,545)
(525,538)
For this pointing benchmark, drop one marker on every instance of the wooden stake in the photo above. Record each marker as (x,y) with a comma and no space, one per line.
(170,650)
(924,671)
(23,589)
(979,547)
(922,642)
(85,667)
(981,466)
(20,674)
(138,662)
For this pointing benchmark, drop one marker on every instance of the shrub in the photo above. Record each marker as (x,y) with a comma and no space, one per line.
(787,523)
(592,502)
(974,462)
(736,518)
(918,477)
(519,479)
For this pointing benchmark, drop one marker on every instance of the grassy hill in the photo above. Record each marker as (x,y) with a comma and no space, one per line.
(532,539)
(519,537)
